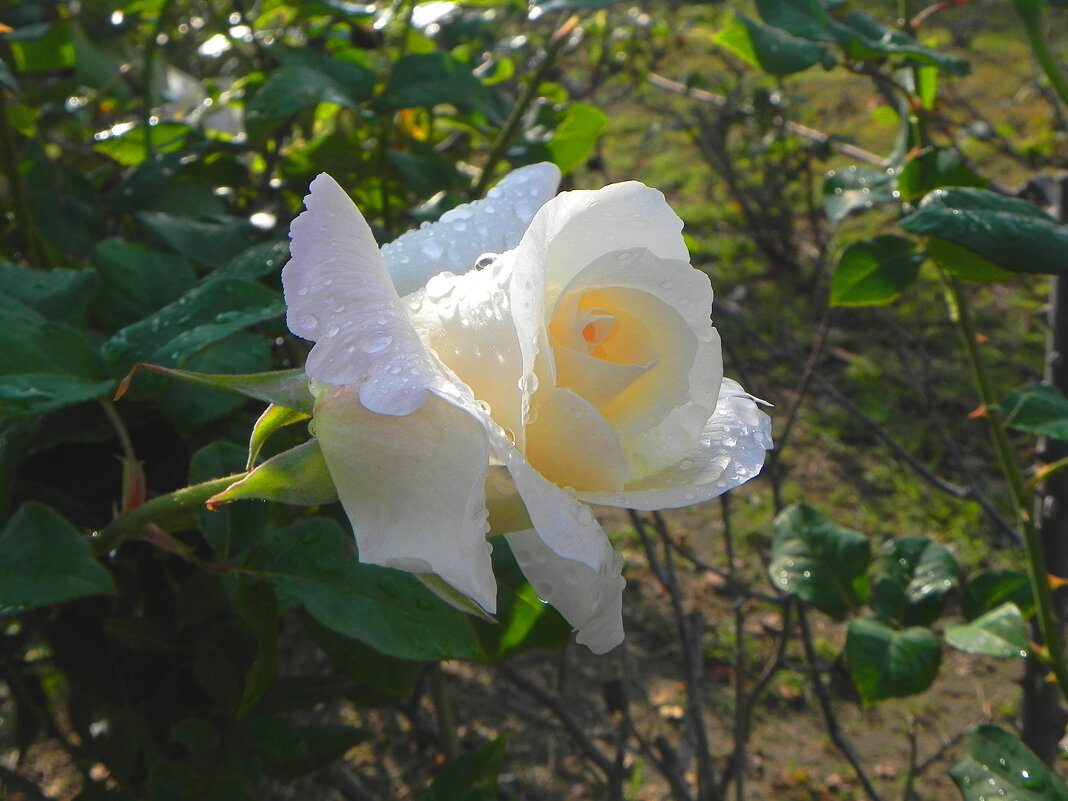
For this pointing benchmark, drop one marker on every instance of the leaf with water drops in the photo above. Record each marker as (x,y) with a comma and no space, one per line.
(857,189)
(998,767)
(819,561)
(913,576)
(1000,633)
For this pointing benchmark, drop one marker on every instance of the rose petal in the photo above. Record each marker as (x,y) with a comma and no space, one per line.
(339,295)
(573,230)
(491,225)
(590,600)
(412,486)
(572,445)
(729,452)
(466,319)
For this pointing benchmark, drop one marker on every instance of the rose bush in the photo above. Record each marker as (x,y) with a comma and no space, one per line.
(572,359)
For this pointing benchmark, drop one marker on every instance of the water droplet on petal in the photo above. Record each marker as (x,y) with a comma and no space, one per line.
(377,343)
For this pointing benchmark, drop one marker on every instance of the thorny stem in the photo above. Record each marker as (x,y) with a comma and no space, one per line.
(1048,625)
(120,429)
(177,504)
(530,91)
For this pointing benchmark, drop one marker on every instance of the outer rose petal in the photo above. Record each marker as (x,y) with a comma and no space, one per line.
(491,225)
(590,600)
(339,295)
(413,487)
(729,452)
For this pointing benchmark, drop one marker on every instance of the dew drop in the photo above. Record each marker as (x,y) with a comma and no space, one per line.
(333,331)
(310,323)
(377,343)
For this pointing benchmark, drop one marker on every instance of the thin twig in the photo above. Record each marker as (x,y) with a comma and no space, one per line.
(693,657)
(563,714)
(829,718)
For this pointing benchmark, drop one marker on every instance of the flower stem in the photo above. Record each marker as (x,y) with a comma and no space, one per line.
(530,91)
(1030,13)
(1048,624)
(174,505)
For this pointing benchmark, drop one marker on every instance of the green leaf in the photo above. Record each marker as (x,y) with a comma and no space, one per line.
(211,243)
(557,5)
(59,295)
(818,561)
(875,271)
(856,189)
(472,777)
(1000,633)
(914,575)
(255,603)
(869,37)
(44,560)
(297,476)
(998,765)
(770,49)
(388,610)
(44,365)
(575,136)
(1008,232)
(379,679)
(136,280)
(963,263)
(206,314)
(292,88)
(427,79)
(806,19)
(1039,409)
(49,51)
(290,751)
(288,388)
(989,589)
(935,168)
(885,663)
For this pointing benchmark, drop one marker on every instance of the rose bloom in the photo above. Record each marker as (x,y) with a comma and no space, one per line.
(567,356)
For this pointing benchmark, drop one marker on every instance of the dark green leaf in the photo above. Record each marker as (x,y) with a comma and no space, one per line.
(379,679)
(770,49)
(136,280)
(963,263)
(818,561)
(294,87)
(857,189)
(46,561)
(289,751)
(427,79)
(935,168)
(472,777)
(806,19)
(207,313)
(313,562)
(1000,633)
(51,50)
(997,765)
(255,603)
(259,260)
(914,575)
(211,243)
(869,37)
(989,589)
(1040,409)
(886,663)
(62,201)
(1010,233)
(44,365)
(875,271)
(59,295)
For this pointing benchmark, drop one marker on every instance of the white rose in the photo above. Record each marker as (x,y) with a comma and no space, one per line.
(576,362)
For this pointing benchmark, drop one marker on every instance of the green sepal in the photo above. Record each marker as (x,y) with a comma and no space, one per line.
(288,388)
(273,418)
(297,476)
